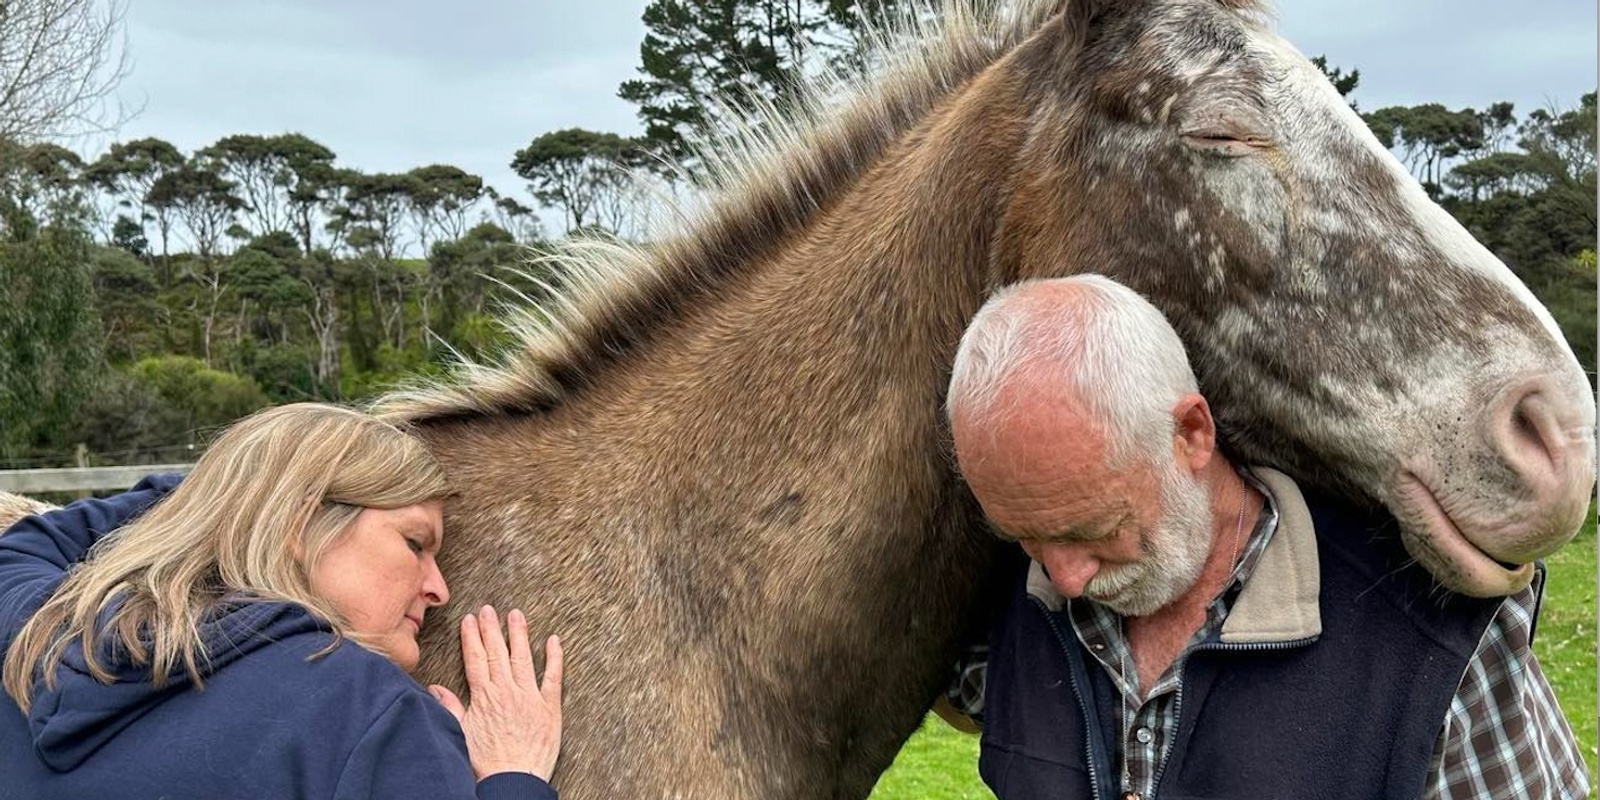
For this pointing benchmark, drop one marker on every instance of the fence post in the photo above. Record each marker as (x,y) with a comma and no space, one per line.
(81,457)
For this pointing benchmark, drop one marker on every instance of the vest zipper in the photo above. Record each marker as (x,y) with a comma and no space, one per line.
(1177,700)
(1077,692)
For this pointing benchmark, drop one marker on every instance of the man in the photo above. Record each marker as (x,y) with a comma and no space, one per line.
(1183,628)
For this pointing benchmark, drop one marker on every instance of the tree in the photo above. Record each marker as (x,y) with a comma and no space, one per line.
(125,290)
(128,171)
(49,333)
(1564,139)
(371,221)
(1343,83)
(513,217)
(313,185)
(373,210)
(442,199)
(128,236)
(1493,174)
(456,270)
(1429,137)
(845,39)
(202,199)
(575,170)
(202,397)
(42,182)
(1499,123)
(700,57)
(1535,208)
(268,292)
(696,54)
(60,62)
(126,421)
(206,204)
(274,176)
(324,317)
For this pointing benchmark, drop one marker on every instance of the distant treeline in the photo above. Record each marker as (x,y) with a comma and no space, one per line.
(150,293)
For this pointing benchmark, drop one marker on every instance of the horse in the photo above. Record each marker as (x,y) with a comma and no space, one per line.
(718,464)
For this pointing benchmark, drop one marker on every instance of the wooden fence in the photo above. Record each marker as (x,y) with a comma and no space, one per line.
(80,479)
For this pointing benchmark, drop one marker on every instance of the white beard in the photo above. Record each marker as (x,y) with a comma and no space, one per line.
(1175,552)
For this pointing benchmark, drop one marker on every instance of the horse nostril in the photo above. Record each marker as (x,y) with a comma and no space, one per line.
(1534,431)
(1527,433)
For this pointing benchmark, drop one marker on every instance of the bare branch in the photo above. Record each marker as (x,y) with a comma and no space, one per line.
(60,63)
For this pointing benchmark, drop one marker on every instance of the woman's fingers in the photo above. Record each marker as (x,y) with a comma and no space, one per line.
(494,645)
(521,652)
(514,721)
(553,668)
(472,655)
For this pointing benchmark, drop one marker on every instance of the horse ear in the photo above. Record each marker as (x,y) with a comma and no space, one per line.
(1077,16)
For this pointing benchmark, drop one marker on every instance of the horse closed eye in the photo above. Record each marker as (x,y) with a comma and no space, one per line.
(1224,144)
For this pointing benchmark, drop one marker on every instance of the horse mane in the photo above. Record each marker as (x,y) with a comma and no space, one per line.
(765,178)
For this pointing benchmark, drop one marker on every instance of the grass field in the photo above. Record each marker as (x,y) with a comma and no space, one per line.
(940,763)
(1565,639)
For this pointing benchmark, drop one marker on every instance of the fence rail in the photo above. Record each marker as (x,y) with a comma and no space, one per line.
(80,479)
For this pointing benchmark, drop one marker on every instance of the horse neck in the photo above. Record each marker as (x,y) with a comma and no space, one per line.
(805,391)
(847,330)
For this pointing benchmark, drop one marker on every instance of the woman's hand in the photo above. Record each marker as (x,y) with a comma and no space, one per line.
(513,723)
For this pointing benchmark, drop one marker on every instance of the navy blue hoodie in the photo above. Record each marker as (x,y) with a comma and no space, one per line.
(270,721)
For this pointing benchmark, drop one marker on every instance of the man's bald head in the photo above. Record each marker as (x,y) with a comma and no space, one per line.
(1086,341)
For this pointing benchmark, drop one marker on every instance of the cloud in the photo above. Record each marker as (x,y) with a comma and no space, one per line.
(401,83)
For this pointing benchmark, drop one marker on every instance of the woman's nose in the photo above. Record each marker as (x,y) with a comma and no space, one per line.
(434,586)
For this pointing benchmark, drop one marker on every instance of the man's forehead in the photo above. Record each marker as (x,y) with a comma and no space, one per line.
(1072,515)
(1031,418)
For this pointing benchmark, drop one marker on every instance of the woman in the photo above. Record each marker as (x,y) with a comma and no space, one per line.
(247,632)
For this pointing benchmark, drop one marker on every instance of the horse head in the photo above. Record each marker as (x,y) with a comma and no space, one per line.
(1345,327)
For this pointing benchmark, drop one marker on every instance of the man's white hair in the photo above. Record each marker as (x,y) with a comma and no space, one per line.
(1109,345)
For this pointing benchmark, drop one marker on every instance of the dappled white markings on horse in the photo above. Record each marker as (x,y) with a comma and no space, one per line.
(728,449)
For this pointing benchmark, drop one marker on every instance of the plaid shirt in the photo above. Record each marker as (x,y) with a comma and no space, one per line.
(1503,738)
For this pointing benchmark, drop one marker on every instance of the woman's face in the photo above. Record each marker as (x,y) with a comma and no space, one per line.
(382,575)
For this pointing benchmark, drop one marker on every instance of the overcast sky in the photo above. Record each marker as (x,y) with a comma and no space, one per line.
(394,84)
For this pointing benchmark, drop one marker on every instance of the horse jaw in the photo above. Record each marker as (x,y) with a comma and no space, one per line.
(1346,329)
(1510,482)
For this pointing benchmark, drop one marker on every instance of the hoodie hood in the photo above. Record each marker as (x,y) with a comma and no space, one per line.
(74,719)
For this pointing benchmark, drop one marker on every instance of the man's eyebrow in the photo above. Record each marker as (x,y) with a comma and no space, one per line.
(1089,534)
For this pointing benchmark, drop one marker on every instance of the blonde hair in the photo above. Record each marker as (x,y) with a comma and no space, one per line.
(271,494)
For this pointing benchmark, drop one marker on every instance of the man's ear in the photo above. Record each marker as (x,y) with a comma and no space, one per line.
(1194,433)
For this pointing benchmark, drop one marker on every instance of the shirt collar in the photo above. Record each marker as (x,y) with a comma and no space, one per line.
(1281,581)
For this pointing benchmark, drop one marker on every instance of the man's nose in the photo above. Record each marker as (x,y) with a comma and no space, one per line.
(1069,567)
(434,587)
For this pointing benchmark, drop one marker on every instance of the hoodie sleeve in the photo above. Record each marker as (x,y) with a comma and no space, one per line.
(37,552)
(415,749)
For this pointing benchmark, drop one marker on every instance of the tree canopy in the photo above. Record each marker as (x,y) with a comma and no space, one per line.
(152,291)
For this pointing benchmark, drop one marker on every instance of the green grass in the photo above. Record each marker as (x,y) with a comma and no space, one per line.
(1565,641)
(940,763)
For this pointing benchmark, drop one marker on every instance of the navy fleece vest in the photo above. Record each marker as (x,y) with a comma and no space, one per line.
(1353,713)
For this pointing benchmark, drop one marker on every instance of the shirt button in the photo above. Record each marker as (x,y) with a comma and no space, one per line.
(1097,647)
(1144,735)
